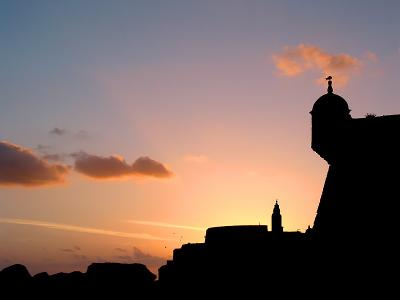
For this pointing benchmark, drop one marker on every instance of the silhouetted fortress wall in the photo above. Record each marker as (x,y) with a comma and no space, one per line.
(359,199)
(235,257)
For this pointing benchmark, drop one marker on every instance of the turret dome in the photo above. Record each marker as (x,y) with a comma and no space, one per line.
(330,104)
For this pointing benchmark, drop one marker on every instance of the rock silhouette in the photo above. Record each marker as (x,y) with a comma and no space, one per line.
(15,276)
(101,279)
(115,277)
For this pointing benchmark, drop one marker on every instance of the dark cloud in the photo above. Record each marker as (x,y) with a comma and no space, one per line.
(80,135)
(67,250)
(54,157)
(139,256)
(115,166)
(149,167)
(20,166)
(58,131)
(75,252)
(147,259)
(44,150)
(120,249)
(101,167)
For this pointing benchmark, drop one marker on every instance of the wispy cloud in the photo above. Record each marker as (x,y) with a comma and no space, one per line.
(80,134)
(74,228)
(165,225)
(295,60)
(58,131)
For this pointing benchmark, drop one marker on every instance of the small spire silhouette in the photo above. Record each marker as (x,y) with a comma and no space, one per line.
(330,89)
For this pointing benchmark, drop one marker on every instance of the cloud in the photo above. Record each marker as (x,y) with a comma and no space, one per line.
(165,225)
(81,229)
(20,166)
(44,151)
(46,155)
(198,159)
(138,256)
(54,157)
(101,167)
(58,131)
(148,167)
(67,250)
(71,250)
(80,135)
(115,166)
(124,257)
(293,61)
(120,249)
(146,258)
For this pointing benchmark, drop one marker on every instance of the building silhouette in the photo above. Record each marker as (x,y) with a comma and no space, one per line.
(276,219)
(358,202)
(247,255)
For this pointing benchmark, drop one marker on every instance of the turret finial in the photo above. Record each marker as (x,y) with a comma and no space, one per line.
(330,89)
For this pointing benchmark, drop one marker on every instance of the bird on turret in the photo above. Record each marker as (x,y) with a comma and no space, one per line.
(328,78)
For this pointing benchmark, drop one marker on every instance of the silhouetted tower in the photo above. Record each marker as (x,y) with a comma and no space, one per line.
(330,116)
(277,219)
(332,140)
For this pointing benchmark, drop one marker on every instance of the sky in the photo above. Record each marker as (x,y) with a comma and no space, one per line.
(127,128)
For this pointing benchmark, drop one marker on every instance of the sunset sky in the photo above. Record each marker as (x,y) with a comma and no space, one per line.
(129,127)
